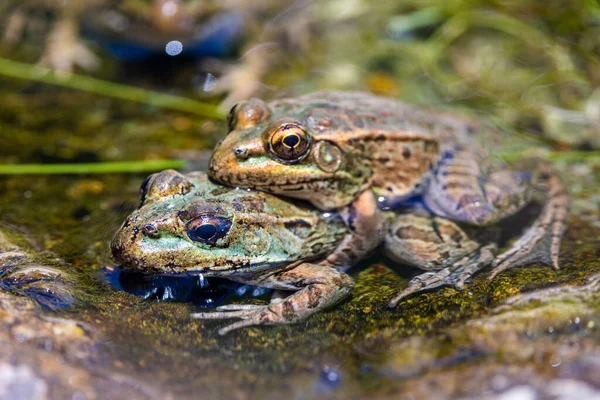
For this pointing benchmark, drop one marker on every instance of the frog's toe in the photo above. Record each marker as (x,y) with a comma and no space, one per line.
(250,314)
(540,243)
(222,314)
(238,325)
(428,280)
(240,307)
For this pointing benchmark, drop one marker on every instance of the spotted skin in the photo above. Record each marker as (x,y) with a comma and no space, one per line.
(402,155)
(466,187)
(381,144)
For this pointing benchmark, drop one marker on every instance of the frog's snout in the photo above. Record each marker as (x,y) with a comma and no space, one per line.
(124,245)
(225,159)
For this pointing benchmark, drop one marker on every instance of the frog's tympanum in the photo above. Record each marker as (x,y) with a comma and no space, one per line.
(338,148)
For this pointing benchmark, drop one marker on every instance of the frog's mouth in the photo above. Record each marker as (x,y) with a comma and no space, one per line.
(131,255)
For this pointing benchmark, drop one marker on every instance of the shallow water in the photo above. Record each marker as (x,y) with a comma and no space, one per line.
(525,332)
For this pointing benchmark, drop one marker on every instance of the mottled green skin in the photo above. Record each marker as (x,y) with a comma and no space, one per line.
(266,232)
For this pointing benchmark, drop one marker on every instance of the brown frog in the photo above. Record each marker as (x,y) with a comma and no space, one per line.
(336,148)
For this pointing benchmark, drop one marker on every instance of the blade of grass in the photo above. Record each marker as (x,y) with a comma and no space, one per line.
(91,168)
(19,70)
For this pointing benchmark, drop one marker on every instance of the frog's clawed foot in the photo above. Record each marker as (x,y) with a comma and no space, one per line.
(250,315)
(454,275)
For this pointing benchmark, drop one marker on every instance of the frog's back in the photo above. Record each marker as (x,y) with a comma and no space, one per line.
(400,143)
(359,116)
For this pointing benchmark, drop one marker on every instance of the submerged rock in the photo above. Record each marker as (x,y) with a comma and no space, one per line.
(44,355)
(23,273)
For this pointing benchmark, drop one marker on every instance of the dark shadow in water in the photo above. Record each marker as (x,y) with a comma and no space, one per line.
(202,292)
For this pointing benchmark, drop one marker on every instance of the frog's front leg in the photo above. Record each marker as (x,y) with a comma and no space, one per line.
(316,287)
(450,254)
(366,230)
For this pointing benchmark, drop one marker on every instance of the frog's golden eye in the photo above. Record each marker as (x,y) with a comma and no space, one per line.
(208,229)
(289,142)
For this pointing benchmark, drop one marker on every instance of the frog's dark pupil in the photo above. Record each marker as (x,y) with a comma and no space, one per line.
(205,231)
(291,140)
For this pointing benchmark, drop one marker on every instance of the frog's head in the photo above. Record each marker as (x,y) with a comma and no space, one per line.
(186,224)
(276,150)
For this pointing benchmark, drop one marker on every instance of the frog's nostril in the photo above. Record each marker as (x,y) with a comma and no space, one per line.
(150,231)
(241,153)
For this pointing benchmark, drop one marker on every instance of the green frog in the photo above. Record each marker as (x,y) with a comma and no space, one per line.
(336,148)
(187,224)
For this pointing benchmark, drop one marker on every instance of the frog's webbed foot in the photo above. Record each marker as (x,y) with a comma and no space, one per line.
(541,242)
(453,275)
(316,287)
(450,253)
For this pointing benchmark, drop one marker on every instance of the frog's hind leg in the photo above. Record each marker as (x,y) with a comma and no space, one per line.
(450,254)
(454,275)
(541,242)
(466,187)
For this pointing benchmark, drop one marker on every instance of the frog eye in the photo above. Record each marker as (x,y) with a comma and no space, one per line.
(208,229)
(289,142)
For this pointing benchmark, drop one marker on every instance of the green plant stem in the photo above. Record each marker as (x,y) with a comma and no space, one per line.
(18,70)
(91,168)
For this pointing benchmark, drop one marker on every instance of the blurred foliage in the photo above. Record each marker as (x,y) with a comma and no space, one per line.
(529,65)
